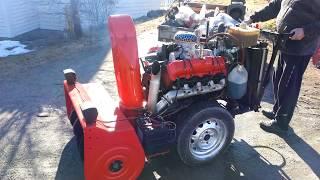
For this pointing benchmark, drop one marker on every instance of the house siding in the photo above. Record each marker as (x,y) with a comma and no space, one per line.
(4,27)
(20,15)
(52,14)
(134,8)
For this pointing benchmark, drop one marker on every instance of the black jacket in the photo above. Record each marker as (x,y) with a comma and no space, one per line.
(292,14)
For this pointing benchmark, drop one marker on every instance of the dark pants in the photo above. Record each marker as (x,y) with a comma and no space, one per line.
(286,85)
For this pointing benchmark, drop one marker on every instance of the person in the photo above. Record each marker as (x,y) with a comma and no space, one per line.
(301,17)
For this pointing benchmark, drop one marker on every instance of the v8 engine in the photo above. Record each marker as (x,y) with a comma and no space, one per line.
(184,69)
(186,78)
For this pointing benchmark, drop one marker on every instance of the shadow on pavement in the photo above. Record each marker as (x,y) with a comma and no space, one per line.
(31,145)
(245,162)
(15,137)
(309,155)
(70,165)
(171,167)
(241,161)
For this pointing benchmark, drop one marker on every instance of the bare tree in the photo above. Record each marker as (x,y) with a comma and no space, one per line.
(97,11)
(70,11)
(76,18)
(83,12)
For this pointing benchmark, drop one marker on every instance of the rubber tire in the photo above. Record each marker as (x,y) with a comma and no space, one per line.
(78,132)
(192,117)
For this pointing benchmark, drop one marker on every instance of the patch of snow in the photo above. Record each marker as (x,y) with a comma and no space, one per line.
(8,48)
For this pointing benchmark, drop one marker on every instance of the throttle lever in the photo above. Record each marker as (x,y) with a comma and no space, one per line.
(292,34)
(274,36)
(286,36)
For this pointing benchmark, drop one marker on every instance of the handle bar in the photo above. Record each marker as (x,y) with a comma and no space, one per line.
(274,36)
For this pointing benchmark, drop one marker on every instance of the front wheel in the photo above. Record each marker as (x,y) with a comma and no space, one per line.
(204,133)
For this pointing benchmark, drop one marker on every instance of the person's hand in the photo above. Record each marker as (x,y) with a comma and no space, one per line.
(298,34)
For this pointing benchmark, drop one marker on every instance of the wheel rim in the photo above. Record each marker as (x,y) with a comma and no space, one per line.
(208,138)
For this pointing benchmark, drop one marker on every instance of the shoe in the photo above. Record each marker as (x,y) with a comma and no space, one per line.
(268,114)
(272,126)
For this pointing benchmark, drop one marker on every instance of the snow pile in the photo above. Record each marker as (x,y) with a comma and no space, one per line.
(8,48)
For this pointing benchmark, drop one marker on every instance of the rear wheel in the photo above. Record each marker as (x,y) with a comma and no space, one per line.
(204,132)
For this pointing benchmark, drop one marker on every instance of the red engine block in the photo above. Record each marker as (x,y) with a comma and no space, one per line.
(196,68)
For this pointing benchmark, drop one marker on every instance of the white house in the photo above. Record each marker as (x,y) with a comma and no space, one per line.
(20,16)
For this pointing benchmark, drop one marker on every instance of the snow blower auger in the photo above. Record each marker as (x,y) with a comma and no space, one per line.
(183,99)
(107,140)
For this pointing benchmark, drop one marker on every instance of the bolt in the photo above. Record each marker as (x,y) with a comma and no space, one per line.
(116,166)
